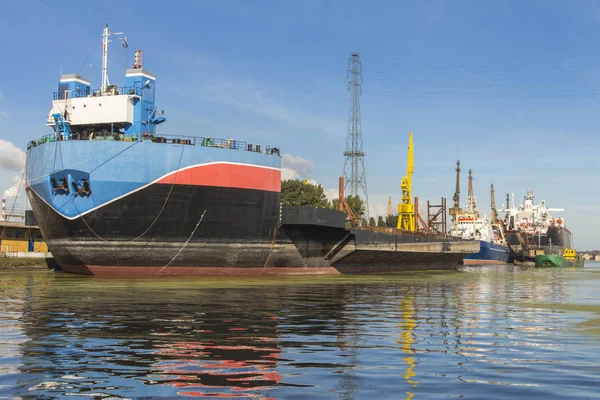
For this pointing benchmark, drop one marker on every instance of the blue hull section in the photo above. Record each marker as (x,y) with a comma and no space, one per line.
(490,253)
(115,169)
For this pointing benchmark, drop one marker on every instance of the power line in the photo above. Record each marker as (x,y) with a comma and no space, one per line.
(494,95)
(447,67)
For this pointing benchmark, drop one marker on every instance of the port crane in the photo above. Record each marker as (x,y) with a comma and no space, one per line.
(456,210)
(406,209)
(471,198)
(493,205)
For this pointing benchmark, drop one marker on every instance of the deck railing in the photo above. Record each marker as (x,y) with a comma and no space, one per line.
(85,92)
(205,141)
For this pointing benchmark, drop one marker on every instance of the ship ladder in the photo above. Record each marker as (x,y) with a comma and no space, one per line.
(62,127)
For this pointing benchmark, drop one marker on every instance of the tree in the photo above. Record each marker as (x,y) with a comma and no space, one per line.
(355,203)
(391,221)
(380,221)
(363,223)
(372,222)
(296,193)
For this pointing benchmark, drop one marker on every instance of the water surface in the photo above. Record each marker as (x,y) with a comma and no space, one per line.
(485,332)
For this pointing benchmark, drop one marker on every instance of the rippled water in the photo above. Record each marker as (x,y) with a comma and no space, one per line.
(493,332)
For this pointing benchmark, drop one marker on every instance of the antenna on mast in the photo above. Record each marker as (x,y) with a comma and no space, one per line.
(105,41)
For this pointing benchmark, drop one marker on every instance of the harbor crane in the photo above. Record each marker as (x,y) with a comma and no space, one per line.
(493,205)
(455,210)
(406,209)
(472,202)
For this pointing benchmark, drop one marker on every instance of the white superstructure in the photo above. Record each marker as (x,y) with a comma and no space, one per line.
(532,218)
(127,112)
(470,225)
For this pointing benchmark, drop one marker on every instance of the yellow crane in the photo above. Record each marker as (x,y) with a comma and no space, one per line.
(406,209)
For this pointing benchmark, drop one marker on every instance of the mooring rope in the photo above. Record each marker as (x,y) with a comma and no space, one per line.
(185,244)
(271,247)
(147,229)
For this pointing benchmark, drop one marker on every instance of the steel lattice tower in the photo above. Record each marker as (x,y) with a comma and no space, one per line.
(354,164)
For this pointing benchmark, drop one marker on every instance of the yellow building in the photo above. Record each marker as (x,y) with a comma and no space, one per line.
(16,237)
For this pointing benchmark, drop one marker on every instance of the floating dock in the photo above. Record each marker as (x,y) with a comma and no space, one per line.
(322,240)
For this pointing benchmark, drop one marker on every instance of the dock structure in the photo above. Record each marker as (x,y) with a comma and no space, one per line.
(19,234)
(322,240)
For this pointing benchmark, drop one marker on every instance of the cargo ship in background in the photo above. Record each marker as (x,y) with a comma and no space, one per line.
(532,229)
(112,196)
(469,224)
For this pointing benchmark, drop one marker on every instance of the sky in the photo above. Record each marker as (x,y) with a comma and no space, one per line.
(509,88)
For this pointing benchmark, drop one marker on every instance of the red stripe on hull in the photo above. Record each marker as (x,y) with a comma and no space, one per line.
(228,175)
(482,262)
(149,271)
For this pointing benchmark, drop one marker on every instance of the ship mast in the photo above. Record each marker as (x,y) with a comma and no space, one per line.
(105,34)
(454,211)
(493,204)
(471,198)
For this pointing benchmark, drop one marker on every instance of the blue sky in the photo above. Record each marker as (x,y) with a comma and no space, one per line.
(508,87)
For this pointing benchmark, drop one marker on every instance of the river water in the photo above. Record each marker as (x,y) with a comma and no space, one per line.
(484,332)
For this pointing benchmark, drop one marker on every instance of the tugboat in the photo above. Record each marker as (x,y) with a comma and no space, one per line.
(569,258)
(470,225)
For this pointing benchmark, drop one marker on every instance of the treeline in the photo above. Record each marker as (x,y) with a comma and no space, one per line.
(296,193)
(591,252)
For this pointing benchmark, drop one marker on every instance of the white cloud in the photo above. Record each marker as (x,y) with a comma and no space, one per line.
(296,167)
(332,193)
(377,209)
(11,157)
(17,187)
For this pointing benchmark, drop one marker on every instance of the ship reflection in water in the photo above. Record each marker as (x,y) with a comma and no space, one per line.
(194,368)
(425,335)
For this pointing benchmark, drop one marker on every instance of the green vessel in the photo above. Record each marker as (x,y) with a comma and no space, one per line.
(568,259)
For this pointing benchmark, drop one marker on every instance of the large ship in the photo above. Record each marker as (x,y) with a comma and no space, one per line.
(469,224)
(113,196)
(532,228)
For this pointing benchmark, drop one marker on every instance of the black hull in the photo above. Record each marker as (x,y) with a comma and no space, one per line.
(160,230)
(555,240)
(556,237)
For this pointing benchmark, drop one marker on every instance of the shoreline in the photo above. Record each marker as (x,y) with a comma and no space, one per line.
(27,264)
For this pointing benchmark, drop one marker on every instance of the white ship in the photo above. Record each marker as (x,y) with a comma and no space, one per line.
(534,225)
(469,224)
